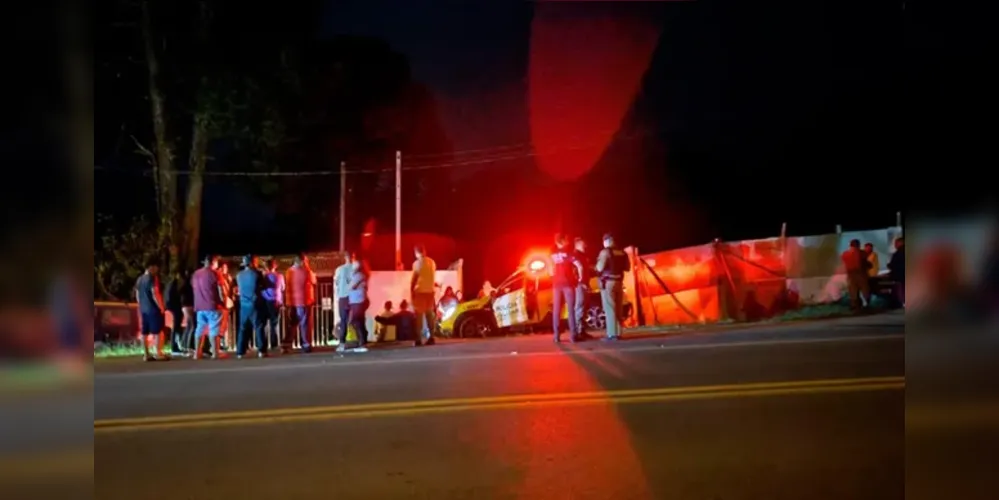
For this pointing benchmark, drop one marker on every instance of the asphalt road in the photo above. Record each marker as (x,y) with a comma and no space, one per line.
(729,414)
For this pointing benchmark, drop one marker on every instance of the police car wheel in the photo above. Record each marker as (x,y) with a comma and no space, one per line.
(595,318)
(472,327)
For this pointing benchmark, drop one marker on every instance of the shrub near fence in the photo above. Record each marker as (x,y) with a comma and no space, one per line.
(750,279)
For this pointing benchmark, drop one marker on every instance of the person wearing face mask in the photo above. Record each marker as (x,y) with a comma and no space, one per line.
(612,263)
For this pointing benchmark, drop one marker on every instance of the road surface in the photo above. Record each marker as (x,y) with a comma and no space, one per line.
(813,410)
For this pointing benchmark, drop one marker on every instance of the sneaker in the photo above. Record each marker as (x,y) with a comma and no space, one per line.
(360,349)
(340,348)
(261,354)
(148,358)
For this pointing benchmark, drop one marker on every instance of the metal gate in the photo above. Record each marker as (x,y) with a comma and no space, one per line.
(324,330)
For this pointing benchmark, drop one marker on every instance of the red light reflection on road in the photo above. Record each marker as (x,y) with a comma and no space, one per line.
(561,452)
(586,64)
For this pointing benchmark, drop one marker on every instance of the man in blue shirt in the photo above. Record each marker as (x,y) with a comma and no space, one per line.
(565,269)
(149,295)
(252,306)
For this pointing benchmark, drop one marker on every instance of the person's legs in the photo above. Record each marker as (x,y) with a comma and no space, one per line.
(557,299)
(272,323)
(617,295)
(865,289)
(853,290)
(214,320)
(177,331)
(429,318)
(362,333)
(302,317)
(570,308)
(610,309)
(343,312)
(152,330)
(190,326)
(580,309)
(259,321)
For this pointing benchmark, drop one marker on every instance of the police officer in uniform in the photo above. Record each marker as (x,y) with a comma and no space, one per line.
(582,288)
(565,270)
(612,263)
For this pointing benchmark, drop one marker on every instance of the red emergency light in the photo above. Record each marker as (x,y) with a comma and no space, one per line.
(537,265)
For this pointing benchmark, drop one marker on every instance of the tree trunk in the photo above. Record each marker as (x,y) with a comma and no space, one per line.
(164,174)
(195,189)
(81,119)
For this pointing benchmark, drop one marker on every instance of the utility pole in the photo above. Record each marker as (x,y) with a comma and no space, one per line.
(343,207)
(398,210)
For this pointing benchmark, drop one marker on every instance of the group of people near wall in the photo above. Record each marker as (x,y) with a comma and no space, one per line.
(862,265)
(571,273)
(350,283)
(205,299)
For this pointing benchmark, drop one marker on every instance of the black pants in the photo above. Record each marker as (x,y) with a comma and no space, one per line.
(251,319)
(274,322)
(176,331)
(358,321)
(343,309)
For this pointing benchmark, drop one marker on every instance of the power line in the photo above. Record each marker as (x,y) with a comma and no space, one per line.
(376,171)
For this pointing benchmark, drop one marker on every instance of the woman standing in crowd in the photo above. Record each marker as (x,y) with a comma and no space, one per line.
(225,283)
(187,309)
(357,297)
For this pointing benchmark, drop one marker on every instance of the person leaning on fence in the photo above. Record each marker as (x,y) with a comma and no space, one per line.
(301,296)
(209,307)
(612,263)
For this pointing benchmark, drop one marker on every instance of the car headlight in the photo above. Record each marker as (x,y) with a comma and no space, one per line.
(447,312)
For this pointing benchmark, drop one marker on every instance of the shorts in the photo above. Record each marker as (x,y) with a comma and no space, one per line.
(152,323)
(212,320)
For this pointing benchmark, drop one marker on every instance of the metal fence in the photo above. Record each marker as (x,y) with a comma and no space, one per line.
(322,317)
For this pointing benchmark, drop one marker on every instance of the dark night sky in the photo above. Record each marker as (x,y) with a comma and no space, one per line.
(753,105)
(748,115)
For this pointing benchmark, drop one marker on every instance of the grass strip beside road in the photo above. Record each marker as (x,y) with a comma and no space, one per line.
(360,411)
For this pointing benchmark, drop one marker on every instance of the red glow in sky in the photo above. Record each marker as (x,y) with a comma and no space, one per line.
(586,66)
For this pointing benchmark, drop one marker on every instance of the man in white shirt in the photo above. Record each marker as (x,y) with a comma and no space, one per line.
(341,285)
(422,286)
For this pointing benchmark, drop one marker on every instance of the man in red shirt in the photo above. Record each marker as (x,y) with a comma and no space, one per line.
(854,260)
(300,283)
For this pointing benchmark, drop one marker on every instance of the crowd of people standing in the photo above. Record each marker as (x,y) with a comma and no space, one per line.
(201,304)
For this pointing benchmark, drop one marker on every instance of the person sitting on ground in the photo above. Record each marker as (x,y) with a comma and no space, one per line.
(384,331)
(404,322)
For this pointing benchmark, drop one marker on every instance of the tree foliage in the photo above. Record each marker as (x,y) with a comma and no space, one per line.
(122,255)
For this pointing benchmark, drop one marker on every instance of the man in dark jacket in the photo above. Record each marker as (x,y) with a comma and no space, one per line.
(896,269)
